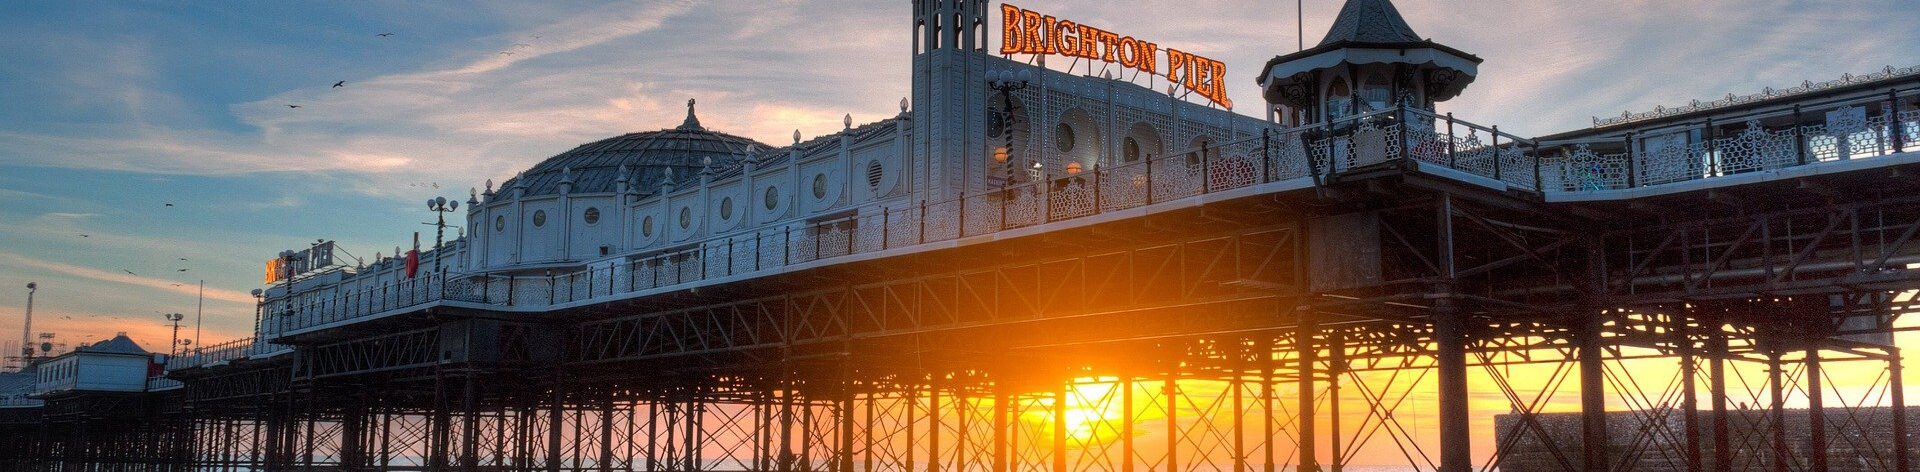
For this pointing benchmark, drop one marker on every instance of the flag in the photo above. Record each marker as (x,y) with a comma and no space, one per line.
(413,262)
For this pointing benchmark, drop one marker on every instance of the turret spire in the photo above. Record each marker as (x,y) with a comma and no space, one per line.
(692,123)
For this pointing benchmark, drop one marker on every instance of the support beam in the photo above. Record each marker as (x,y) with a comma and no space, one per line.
(1777,404)
(1816,413)
(1303,340)
(1717,395)
(1450,339)
(1593,397)
(1898,388)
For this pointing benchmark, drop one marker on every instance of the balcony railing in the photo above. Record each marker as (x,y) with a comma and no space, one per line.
(1403,138)
(226,351)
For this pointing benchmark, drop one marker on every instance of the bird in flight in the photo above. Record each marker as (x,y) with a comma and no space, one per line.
(183,270)
(339,84)
(169,204)
(383,35)
(183,258)
(84,235)
(129,272)
(293,106)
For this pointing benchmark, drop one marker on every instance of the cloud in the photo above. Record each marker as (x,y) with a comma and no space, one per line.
(10,194)
(125,278)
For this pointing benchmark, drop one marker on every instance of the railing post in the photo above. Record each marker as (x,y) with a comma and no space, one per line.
(1633,168)
(510,290)
(758,244)
(729,256)
(1799,137)
(1712,135)
(886,227)
(1539,184)
(1406,136)
(963,216)
(1096,190)
(1206,168)
(1453,161)
(1893,113)
(1496,152)
(853,235)
(786,247)
(923,221)
(1149,164)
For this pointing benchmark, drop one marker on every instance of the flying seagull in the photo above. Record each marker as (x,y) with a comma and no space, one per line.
(169,204)
(183,270)
(183,258)
(383,35)
(339,84)
(293,106)
(84,235)
(129,272)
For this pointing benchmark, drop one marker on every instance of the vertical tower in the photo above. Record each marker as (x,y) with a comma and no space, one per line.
(949,95)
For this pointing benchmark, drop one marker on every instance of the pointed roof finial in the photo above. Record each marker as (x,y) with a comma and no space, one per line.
(796,136)
(692,123)
(847,121)
(903,105)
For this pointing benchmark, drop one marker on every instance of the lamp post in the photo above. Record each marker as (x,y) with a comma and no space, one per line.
(1007,81)
(26,332)
(440,206)
(173,347)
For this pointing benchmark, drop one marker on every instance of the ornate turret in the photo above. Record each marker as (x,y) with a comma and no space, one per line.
(693,122)
(1370,60)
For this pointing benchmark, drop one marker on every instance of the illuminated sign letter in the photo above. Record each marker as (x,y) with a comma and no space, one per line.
(1066,37)
(1010,29)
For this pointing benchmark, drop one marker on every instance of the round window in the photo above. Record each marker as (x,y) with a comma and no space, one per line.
(1063,137)
(686,217)
(1130,149)
(819,186)
(539,218)
(874,173)
(592,215)
(500,223)
(773,197)
(646,226)
(726,208)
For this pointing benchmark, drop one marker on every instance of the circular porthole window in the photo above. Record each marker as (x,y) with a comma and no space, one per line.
(874,173)
(726,208)
(539,218)
(773,197)
(819,186)
(646,226)
(686,217)
(1130,149)
(1063,138)
(592,216)
(499,223)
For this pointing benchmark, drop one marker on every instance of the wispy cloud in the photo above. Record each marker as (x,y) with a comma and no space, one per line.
(124,278)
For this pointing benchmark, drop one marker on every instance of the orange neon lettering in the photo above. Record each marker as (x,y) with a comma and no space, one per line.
(1129,52)
(1108,40)
(1030,32)
(1048,45)
(1067,39)
(1009,29)
(1089,46)
(1148,62)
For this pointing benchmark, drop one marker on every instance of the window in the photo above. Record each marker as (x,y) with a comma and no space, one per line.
(499,223)
(1339,99)
(1063,138)
(773,197)
(646,226)
(1377,91)
(1130,149)
(726,208)
(592,215)
(819,186)
(539,218)
(686,217)
(874,173)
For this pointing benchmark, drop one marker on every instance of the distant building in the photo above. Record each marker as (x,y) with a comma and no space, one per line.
(114,365)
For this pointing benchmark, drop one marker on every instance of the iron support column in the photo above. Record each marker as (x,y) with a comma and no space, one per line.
(1717,376)
(1778,406)
(1899,398)
(1450,338)
(1816,414)
(1306,355)
(1689,395)
(1337,366)
(1593,397)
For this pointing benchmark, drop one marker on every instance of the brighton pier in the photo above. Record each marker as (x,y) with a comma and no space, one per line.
(1037,269)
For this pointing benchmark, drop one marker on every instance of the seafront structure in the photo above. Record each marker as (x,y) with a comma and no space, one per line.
(1032,268)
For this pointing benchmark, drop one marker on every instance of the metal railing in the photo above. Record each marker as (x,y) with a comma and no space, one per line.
(1402,137)
(226,351)
(1387,137)
(1810,132)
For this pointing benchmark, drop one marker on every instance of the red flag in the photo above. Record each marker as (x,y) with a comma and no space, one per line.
(413,262)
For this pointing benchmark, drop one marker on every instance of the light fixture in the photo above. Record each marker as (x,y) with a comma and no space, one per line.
(1000,154)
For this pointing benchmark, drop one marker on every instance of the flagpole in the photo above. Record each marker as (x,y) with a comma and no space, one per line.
(197,312)
(1300,20)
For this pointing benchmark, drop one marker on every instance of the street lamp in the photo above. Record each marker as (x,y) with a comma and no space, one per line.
(1007,81)
(440,206)
(174,345)
(26,332)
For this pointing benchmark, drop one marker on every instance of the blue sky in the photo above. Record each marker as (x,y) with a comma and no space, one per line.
(110,110)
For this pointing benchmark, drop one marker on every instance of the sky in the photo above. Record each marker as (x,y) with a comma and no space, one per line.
(147,146)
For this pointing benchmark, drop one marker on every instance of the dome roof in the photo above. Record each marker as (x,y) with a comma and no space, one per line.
(595,167)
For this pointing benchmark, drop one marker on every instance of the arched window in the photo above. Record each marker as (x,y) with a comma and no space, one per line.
(1339,99)
(1377,92)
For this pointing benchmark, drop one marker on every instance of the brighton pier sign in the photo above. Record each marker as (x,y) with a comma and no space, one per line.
(1026,31)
